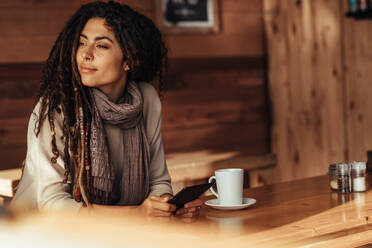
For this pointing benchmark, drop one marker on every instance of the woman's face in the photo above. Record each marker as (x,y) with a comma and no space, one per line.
(99,58)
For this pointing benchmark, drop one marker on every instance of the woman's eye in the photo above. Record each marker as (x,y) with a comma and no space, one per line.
(81,43)
(102,46)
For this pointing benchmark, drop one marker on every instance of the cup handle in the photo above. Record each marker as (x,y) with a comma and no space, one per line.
(211,188)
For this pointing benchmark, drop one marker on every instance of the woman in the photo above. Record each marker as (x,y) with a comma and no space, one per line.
(94,137)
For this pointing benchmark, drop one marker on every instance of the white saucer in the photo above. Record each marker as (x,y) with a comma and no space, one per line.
(214,203)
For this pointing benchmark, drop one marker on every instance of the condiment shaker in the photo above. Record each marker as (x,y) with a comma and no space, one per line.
(332,169)
(343,178)
(358,176)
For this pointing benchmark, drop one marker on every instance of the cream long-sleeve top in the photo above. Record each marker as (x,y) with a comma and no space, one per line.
(42,186)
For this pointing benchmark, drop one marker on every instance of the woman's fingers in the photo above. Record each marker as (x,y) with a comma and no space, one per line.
(181,211)
(159,207)
(159,213)
(188,212)
(156,206)
(185,211)
(160,203)
(188,215)
(194,203)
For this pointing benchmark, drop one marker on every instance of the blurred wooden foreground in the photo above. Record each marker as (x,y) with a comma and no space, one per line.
(302,213)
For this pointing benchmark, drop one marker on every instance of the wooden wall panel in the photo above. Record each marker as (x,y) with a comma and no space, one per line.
(12,156)
(13,131)
(244,39)
(254,6)
(306,85)
(16,107)
(241,35)
(216,104)
(19,84)
(29,29)
(358,74)
(219,137)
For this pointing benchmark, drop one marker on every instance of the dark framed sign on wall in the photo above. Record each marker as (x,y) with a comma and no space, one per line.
(187,16)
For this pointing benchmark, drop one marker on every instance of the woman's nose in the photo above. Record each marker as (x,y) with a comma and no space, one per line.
(88,54)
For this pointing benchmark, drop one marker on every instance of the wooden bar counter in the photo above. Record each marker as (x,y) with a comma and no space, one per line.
(301,213)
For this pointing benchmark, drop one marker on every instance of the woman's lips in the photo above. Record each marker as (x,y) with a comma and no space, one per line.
(87,69)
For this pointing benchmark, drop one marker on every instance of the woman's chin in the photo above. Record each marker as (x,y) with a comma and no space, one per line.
(88,83)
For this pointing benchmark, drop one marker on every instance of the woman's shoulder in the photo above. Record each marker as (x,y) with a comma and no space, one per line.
(148,91)
(151,110)
(36,110)
(35,116)
(151,100)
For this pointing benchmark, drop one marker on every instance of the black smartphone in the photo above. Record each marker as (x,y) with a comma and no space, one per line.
(190,193)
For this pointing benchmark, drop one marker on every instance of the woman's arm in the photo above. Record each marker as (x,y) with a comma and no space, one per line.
(159,176)
(158,172)
(153,206)
(42,185)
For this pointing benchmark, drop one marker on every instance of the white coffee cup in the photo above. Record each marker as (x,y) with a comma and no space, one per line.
(229,186)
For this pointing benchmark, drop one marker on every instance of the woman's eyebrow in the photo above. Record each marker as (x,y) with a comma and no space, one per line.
(98,38)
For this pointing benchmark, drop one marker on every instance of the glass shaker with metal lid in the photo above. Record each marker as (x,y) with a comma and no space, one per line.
(343,178)
(358,176)
(332,169)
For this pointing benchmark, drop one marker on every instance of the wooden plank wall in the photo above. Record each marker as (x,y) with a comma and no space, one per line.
(29,29)
(241,36)
(216,97)
(18,86)
(304,42)
(216,104)
(358,63)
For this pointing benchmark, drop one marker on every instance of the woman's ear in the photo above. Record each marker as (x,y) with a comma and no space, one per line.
(126,66)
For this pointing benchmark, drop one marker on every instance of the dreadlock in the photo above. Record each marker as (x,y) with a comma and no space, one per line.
(62,93)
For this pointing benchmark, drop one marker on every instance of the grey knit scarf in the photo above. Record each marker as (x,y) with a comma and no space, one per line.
(127,114)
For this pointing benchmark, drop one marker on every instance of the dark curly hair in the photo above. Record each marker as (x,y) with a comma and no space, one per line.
(62,93)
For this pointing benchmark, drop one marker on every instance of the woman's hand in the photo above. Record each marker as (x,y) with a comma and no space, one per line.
(190,211)
(157,206)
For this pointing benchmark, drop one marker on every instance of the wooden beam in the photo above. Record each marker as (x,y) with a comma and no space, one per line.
(192,166)
(9,180)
